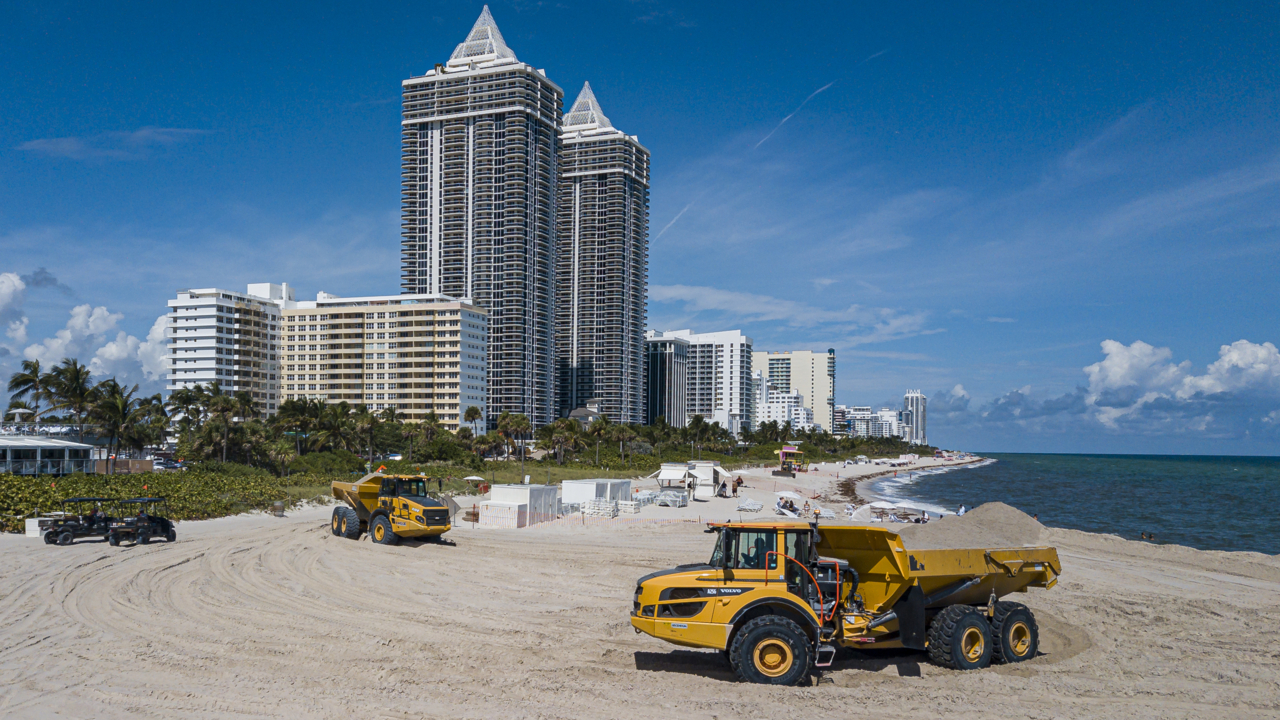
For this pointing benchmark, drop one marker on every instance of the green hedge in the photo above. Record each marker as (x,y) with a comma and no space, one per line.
(192,495)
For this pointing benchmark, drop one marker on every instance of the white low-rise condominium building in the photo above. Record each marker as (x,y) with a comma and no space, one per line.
(480,148)
(812,374)
(719,386)
(602,265)
(415,353)
(229,339)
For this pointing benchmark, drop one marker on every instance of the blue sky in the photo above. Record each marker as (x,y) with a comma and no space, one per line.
(1062,223)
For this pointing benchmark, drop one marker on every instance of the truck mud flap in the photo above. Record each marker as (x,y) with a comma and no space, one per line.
(910,611)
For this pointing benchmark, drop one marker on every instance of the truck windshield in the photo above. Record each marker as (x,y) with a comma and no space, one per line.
(411,488)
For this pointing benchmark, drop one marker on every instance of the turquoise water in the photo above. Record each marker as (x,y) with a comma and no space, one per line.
(1211,503)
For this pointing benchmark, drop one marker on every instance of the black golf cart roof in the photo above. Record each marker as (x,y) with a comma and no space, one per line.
(143,500)
(88,499)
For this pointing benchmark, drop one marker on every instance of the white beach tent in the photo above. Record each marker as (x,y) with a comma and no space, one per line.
(672,474)
(707,473)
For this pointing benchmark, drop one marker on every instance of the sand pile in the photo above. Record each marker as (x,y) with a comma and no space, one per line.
(992,525)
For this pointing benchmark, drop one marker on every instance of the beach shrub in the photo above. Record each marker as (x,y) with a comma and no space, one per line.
(191,495)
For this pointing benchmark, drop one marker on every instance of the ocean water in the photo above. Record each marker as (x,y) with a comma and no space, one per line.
(1210,503)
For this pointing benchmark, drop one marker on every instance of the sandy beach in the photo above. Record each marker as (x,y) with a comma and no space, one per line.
(257,616)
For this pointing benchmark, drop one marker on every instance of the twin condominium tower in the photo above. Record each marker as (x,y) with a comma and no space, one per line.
(538,216)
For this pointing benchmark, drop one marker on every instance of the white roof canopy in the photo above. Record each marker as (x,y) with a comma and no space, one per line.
(483,43)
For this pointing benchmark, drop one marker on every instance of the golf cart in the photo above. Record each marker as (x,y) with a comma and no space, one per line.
(140,520)
(80,517)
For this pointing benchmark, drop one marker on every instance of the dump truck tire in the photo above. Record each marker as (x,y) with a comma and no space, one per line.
(960,639)
(336,523)
(381,532)
(350,524)
(771,650)
(1016,635)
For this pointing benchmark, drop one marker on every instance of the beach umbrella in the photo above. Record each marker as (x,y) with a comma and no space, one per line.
(788,495)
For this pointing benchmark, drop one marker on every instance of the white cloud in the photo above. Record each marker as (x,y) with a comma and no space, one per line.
(858,324)
(13,292)
(151,352)
(116,358)
(17,330)
(86,329)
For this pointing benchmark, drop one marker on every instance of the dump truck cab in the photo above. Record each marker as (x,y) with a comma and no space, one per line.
(389,507)
(779,598)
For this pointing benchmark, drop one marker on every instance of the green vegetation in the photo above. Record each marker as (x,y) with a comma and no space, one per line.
(240,458)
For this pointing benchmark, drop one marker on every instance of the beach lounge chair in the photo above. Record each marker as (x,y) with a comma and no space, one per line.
(750,506)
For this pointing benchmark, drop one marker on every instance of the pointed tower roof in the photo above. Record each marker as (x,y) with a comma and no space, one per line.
(586,112)
(484,42)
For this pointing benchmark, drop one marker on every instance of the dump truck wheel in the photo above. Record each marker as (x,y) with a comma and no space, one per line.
(381,532)
(350,526)
(960,639)
(1017,637)
(771,650)
(66,538)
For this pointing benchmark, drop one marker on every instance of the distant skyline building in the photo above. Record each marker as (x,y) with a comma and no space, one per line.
(812,374)
(666,379)
(913,406)
(602,268)
(719,386)
(480,149)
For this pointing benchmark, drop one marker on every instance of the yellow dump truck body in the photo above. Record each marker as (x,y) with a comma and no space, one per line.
(410,515)
(702,605)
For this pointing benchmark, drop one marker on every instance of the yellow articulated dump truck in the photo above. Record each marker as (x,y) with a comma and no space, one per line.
(388,507)
(778,599)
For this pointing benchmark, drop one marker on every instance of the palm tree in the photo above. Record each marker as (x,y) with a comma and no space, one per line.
(365,423)
(246,406)
(72,389)
(222,408)
(599,429)
(116,412)
(504,429)
(473,415)
(333,428)
(520,425)
(30,383)
(622,434)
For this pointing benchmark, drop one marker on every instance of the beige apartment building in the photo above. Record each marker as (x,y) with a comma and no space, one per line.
(812,374)
(415,353)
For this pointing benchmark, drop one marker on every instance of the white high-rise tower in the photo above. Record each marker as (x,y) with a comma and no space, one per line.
(480,148)
(603,265)
(913,406)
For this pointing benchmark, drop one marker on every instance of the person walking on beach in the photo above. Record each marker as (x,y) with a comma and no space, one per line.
(961,511)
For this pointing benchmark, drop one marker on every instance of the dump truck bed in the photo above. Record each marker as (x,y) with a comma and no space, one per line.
(362,495)
(888,571)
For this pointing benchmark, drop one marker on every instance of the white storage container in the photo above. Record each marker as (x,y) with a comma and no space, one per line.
(541,500)
(503,514)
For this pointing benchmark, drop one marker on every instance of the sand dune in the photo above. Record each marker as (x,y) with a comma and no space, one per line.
(262,617)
